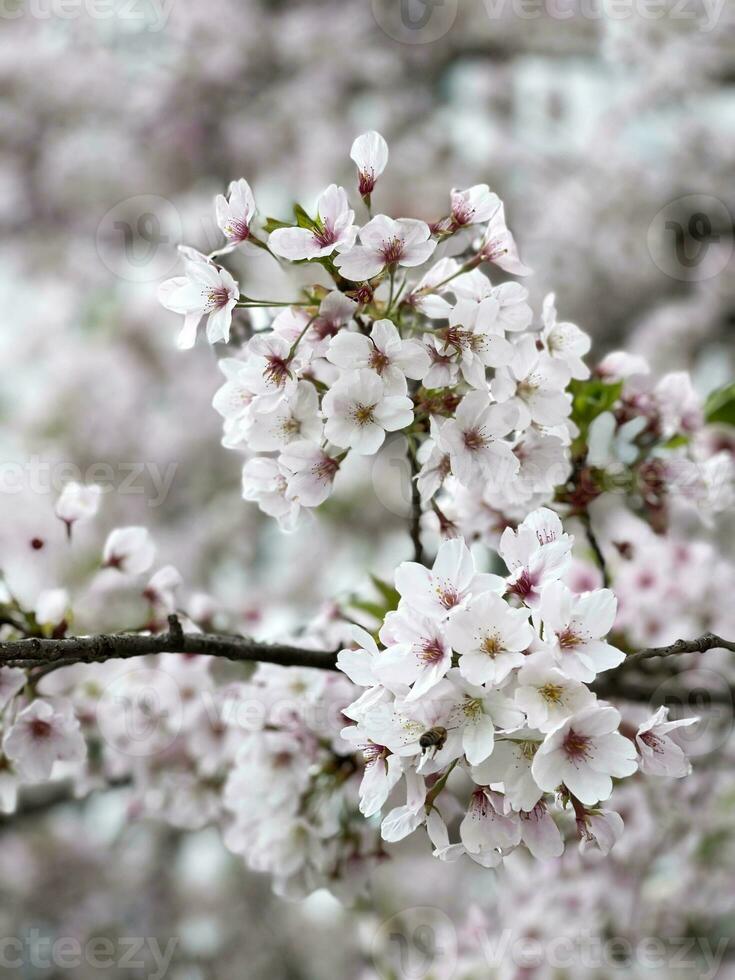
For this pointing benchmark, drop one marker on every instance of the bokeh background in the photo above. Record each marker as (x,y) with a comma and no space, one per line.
(118,125)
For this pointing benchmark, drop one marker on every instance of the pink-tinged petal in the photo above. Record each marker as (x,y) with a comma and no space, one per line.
(541,835)
(417,254)
(293,243)
(596,611)
(478,740)
(587,785)
(188,334)
(357,664)
(399,823)
(349,350)
(359,263)
(394,412)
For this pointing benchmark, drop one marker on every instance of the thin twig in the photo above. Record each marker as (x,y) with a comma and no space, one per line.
(596,549)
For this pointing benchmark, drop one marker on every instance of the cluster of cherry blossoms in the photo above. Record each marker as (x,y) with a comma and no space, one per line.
(260,757)
(387,342)
(492,676)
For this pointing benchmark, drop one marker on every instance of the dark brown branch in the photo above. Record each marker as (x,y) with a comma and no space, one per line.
(415,526)
(48,653)
(45,655)
(708,641)
(596,549)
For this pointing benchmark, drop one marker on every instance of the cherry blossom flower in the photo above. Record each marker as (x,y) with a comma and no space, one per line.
(335,312)
(490,637)
(435,464)
(205,290)
(44,733)
(359,411)
(659,754)
(510,765)
(370,153)
(310,472)
(233,401)
(78,503)
(537,553)
(498,246)
(384,352)
(162,587)
(600,830)
(382,773)
(583,753)
(265,481)
(474,206)
(564,341)
(547,695)
(404,820)
(130,550)
(440,591)
(540,834)
(235,213)
(417,652)
(361,664)
(619,365)
(476,714)
(333,230)
(386,242)
(486,829)
(444,369)
(426,294)
(270,370)
(679,404)
(474,335)
(296,417)
(473,439)
(573,630)
(534,384)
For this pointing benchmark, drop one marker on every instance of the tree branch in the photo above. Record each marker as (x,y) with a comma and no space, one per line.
(415,525)
(708,641)
(50,654)
(595,546)
(46,655)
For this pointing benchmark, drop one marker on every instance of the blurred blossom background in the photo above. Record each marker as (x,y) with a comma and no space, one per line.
(608,137)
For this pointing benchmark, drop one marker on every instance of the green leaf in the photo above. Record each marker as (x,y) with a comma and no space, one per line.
(302,218)
(390,594)
(720,405)
(676,441)
(591,398)
(373,609)
(271,224)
